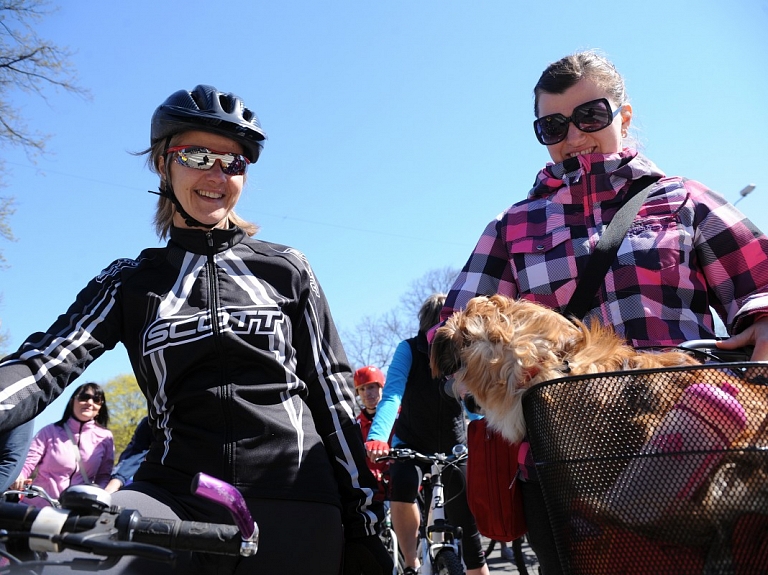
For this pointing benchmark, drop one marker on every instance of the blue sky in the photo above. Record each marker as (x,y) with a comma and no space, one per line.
(397,129)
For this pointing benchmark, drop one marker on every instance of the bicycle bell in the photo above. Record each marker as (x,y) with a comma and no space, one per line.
(85,499)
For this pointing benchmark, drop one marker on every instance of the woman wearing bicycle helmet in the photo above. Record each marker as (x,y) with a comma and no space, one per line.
(233,344)
(688,251)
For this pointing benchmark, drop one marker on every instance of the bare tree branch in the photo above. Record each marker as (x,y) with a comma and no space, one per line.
(373,339)
(30,65)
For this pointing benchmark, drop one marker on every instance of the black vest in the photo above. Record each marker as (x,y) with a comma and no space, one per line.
(429,421)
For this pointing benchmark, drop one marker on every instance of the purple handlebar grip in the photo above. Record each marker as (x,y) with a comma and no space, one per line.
(227,496)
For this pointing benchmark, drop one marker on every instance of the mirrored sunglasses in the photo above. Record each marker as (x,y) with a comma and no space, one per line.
(588,117)
(203,159)
(84,397)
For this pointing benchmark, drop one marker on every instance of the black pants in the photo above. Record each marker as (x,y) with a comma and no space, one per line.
(540,534)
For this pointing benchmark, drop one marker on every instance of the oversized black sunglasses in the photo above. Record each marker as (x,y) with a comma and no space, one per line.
(85,397)
(588,117)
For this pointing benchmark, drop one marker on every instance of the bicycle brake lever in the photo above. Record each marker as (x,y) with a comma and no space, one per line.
(100,543)
(228,496)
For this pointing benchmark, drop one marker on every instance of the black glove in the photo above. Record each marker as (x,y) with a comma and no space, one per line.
(366,556)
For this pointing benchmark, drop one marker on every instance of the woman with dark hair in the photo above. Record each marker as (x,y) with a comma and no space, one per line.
(687,253)
(77,449)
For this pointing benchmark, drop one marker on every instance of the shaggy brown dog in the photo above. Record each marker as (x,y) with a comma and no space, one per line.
(498,347)
(600,428)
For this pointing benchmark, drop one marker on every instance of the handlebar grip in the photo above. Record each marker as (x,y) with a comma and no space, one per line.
(16,517)
(180,535)
(227,496)
(709,349)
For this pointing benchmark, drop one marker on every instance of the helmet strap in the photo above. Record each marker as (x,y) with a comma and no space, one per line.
(166,191)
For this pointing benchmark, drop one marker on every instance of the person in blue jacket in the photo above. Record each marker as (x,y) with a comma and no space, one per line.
(429,422)
(14,445)
(131,457)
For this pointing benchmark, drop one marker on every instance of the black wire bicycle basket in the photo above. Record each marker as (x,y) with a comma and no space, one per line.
(655,471)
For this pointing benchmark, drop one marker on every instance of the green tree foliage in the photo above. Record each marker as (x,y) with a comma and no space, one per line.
(127,406)
(374,338)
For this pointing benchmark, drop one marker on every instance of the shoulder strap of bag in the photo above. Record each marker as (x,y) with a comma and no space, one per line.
(607,246)
(77,454)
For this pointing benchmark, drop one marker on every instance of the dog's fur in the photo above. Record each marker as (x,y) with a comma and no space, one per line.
(498,347)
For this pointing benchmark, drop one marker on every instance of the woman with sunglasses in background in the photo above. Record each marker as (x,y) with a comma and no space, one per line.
(77,449)
(688,248)
(233,344)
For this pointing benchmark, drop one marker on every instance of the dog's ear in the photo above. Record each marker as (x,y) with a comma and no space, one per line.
(445,353)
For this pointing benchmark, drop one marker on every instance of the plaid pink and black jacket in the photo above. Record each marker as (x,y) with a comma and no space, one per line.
(687,249)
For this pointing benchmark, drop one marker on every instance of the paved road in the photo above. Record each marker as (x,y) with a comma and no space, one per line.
(499,564)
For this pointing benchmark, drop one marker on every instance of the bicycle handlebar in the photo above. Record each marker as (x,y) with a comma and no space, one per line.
(113,531)
(227,496)
(708,348)
(123,532)
(215,538)
(404,454)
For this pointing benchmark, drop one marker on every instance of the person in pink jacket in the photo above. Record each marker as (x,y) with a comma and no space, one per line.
(76,449)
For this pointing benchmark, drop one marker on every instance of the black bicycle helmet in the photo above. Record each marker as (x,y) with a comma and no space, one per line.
(205,108)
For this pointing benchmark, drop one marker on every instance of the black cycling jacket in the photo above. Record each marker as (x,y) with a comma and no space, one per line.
(232,342)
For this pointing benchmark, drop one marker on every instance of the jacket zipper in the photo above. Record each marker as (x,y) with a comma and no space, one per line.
(213,287)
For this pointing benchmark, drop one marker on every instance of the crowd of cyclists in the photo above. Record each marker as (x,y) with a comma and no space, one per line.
(234,347)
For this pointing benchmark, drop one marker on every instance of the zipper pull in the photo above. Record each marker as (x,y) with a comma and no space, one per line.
(209,235)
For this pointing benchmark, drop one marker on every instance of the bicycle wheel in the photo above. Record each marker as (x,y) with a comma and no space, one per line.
(448,563)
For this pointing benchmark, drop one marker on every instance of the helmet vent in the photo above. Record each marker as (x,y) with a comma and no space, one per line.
(207,109)
(227,103)
(198,97)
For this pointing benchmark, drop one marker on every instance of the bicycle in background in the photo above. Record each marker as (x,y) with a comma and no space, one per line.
(439,541)
(29,492)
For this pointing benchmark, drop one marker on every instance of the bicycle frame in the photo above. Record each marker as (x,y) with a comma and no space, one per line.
(436,536)
(437,533)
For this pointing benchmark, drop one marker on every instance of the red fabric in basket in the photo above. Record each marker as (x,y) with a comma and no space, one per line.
(493,492)
(617,551)
(750,544)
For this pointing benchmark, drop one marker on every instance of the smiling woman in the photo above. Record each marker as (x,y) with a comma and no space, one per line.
(688,251)
(77,449)
(234,347)
(191,134)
